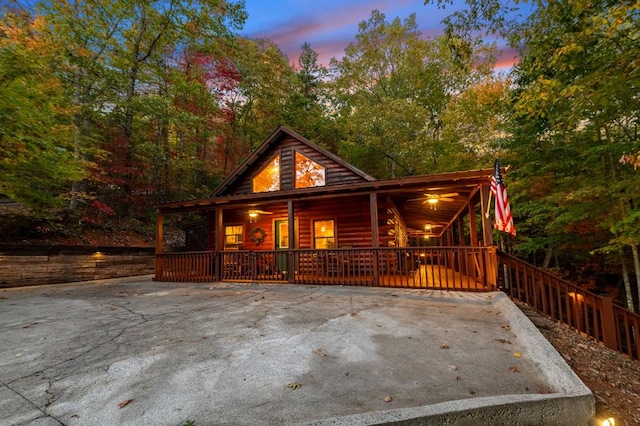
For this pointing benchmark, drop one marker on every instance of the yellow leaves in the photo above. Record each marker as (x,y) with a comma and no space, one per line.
(294,385)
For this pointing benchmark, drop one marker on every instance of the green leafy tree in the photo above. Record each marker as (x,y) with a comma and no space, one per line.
(390,90)
(36,128)
(306,108)
(258,103)
(575,110)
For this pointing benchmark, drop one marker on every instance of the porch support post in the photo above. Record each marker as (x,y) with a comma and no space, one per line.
(450,236)
(159,230)
(462,241)
(159,227)
(487,231)
(375,237)
(373,206)
(218,229)
(473,225)
(292,242)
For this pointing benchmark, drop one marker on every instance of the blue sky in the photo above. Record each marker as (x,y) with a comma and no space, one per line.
(330,25)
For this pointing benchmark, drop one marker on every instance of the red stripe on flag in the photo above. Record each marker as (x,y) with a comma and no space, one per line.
(503,220)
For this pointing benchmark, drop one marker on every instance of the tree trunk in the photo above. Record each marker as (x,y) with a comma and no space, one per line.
(548,255)
(627,286)
(636,264)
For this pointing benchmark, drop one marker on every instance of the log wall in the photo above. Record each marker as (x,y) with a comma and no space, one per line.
(24,267)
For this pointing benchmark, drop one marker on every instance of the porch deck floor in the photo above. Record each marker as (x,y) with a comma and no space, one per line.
(436,277)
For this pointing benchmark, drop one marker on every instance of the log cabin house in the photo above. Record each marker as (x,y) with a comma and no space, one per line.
(295,212)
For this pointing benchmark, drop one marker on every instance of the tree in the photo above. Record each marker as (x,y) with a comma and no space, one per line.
(306,107)
(267,81)
(119,65)
(36,139)
(390,90)
(575,110)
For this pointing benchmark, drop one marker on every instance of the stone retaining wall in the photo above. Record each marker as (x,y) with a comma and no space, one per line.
(51,265)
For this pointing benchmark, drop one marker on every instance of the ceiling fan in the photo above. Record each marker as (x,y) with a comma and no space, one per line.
(256,212)
(434,198)
(253,214)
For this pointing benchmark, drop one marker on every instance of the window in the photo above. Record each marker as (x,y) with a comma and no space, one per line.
(268,179)
(324,234)
(308,172)
(233,235)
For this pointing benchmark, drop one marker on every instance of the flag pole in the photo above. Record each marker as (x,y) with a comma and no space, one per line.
(488,205)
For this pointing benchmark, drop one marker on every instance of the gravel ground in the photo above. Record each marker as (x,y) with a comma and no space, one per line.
(613,378)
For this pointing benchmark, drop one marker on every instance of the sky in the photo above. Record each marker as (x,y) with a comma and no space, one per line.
(330,25)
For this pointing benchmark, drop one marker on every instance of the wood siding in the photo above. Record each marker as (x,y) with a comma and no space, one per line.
(351,216)
(336,174)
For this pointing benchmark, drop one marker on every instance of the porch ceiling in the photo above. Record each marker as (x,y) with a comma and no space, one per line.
(417,213)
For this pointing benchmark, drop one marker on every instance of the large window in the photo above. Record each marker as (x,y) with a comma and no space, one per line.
(308,172)
(268,179)
(324,235)
(233,236)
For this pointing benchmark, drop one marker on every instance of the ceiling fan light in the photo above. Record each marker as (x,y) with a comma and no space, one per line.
(432,200)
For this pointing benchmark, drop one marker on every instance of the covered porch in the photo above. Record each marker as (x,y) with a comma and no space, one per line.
(428,231)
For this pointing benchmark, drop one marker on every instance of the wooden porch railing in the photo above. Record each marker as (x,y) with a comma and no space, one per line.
(452,268)
(192,266)
(594,315)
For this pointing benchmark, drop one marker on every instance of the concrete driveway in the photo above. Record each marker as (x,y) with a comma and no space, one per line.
(139,352)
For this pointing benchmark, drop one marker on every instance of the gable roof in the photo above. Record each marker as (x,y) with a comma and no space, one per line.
(272,141)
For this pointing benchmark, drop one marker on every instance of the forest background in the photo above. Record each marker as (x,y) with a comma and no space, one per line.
(109,107)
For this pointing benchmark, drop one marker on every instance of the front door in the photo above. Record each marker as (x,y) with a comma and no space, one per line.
(282,244)
(282,234)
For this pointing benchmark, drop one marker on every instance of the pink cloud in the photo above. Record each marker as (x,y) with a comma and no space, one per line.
(330,30)
(507,58)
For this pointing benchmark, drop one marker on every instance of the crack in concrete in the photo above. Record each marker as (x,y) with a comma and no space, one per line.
(51,398)
(34,405)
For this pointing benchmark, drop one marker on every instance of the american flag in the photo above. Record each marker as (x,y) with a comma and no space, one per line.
(504,220)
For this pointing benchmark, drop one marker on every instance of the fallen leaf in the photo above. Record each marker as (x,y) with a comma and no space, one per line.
(444,346)
(514,369)
(388,398)
(453,367)
(294,385)
(517,354)
(506,327)
(503,341)
(125,403)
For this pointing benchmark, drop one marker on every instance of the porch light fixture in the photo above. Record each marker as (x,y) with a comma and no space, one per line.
(253,216)
(432,203)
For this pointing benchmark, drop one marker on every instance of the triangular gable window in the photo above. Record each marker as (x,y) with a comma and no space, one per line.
(308,172)
(268,179)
